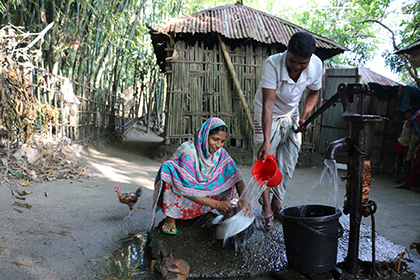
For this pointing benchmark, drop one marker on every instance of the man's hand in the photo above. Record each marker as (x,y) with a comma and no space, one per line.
(301,127)
(264,150)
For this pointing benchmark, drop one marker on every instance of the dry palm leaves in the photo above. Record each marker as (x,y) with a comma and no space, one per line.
(21,114)
(19,109)
(42,162)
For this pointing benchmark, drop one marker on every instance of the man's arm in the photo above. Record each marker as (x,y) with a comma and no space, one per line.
(268,97)
(310,102)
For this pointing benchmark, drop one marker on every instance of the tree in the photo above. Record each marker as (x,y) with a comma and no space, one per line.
(408,33)
(346,22)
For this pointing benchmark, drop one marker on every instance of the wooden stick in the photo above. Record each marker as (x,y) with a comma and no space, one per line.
(235,80)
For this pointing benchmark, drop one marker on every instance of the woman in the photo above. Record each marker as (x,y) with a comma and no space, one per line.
(413,176)
(199,177)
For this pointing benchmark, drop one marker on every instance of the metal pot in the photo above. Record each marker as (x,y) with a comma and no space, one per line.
(233,224)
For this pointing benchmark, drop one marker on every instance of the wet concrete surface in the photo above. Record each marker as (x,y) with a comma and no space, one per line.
(264,253)
(261,255)
(79,233)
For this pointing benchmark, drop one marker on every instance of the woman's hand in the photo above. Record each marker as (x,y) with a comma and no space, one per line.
(223,207)
(245,206)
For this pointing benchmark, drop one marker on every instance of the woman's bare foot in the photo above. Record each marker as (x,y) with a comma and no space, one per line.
(403,186)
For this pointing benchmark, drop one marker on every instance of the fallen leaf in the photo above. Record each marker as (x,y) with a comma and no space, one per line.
(46,194)
(17,174)
(65,231)
(25,192)
(141,208)
(98,259)
(23,204)
(24,184)
(1,246)
(16,190)
(20,264)
(90,186)
(20,211)
(20,197)
(152,264)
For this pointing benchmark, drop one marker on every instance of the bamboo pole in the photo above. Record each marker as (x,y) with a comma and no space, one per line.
(236,82)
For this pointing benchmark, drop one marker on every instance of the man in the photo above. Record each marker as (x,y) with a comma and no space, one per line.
(276,110)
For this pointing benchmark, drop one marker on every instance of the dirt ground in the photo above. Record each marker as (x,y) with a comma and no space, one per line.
(65,234)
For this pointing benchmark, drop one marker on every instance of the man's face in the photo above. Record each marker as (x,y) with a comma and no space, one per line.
(295,63)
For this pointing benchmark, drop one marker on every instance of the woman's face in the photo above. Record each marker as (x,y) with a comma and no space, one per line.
(216,141)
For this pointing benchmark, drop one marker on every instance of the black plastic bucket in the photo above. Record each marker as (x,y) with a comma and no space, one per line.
(311,235)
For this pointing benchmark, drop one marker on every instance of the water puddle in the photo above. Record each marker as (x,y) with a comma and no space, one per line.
(132,260)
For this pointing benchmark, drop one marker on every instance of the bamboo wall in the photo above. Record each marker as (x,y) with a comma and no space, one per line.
(199,86)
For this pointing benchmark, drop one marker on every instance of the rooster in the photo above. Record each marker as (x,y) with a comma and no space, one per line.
(171,268)
(129,198)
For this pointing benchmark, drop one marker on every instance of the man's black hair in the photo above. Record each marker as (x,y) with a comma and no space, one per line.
(302,44)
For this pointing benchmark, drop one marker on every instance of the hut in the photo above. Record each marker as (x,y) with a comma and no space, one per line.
(387,104)
(413,53)
(213,61)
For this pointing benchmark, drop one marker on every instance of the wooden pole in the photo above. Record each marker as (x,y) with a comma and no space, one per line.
(235,80)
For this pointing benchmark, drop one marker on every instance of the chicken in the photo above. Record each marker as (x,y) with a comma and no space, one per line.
(171,268)
(129,198)
(415,245)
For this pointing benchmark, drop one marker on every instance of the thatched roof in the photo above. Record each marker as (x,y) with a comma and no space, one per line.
(239,22)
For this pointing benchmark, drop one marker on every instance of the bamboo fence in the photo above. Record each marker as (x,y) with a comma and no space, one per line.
(99,115)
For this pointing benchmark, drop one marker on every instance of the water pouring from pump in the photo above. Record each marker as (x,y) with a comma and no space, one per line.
(358,112)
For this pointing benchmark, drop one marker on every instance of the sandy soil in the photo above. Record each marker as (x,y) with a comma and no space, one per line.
(65,234)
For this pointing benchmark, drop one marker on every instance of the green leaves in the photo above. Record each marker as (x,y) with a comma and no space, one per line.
(15,173)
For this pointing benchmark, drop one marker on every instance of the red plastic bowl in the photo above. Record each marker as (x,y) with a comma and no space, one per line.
(267,172)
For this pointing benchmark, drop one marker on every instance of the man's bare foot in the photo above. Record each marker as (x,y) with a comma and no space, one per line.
(276,207)
(267,220)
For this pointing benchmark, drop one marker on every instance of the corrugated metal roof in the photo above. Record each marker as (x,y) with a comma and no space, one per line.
(369,76)
(413,46)
(236,21)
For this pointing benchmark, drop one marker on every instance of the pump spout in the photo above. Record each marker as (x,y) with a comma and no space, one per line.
(333,148)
